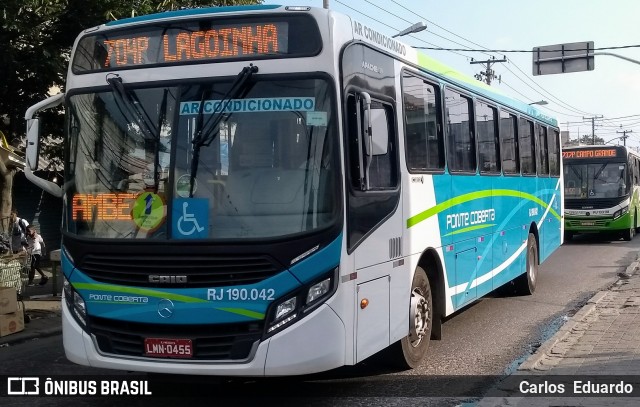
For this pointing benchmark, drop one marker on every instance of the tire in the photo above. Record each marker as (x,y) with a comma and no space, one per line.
(628,235)
(408,352)
(568,235)
(526,283)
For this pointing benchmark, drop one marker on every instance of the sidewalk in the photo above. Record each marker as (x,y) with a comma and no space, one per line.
(43,308)
(602,339)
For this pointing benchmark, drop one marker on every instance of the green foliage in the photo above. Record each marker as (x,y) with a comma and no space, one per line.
(588,139)
(36,37)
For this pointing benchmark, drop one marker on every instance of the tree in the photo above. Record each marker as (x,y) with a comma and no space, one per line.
(588,139)
(36,37)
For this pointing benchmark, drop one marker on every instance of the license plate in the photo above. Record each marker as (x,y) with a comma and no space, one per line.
(168,348)
(588,223)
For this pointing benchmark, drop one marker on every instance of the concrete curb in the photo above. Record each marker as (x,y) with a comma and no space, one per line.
(27,336)
(532,361)
(633,267)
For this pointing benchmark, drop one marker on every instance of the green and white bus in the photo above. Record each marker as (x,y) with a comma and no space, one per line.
(601,190)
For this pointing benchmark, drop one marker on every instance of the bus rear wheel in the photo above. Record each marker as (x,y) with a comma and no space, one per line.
(526,283)
(408,352)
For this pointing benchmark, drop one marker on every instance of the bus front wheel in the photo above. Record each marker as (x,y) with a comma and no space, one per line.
(408,352)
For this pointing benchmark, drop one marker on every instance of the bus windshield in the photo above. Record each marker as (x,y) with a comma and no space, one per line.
(268,171)
(595,180)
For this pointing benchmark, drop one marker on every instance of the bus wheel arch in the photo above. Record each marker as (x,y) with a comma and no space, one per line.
(426,309)
(430,263)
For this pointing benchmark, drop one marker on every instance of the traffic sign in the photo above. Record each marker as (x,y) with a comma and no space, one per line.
(563,58)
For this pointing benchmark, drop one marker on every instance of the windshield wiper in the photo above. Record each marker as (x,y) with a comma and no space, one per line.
(204,134)
(579,174)
(140,117)
(597,174)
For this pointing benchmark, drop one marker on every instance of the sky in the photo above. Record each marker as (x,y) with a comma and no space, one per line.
(610,93)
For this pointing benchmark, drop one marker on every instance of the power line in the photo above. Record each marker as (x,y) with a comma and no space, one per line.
(393,28)
(549,94)
(571,108)
(502,51)
(410,22)
(612,118)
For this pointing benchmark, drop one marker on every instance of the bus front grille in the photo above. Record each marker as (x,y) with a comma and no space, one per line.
(599,223)
(594,203)
(210,342)
(178,271)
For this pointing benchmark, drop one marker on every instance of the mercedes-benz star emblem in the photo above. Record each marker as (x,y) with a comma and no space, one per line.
(165,308)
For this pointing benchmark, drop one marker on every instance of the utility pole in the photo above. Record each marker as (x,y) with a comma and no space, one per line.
(593,127)
(488,73)
(624,136)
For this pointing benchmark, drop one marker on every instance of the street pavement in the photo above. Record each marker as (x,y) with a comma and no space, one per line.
(602,338)
(600,344)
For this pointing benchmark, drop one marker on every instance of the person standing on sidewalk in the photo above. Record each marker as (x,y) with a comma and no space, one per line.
(18,232)
(36,249)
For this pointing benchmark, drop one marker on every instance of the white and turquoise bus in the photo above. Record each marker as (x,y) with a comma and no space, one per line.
(270,190)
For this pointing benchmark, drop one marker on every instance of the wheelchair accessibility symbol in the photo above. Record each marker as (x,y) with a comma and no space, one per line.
(190,218)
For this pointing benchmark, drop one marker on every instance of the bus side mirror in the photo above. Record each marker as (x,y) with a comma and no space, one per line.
(33,143)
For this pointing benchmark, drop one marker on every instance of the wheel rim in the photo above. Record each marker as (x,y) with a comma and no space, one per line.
(420,321)
(532,266)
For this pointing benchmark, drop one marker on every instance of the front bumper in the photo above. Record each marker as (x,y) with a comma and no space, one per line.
(584,224)
(314,344)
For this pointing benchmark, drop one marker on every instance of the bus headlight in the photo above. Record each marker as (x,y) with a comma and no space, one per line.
(67,290)
(285,308)
(620,212)
(318,290)
(75,302)
(300,302)
(79,308)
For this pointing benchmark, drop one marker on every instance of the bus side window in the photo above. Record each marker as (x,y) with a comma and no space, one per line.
(423,131)
(460,136)
(509,139)
(488,151)
(554,153)
(527,148)
(543,151)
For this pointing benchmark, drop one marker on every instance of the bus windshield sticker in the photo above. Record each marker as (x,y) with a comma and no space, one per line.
(183,185)
(149,211)
(190,218)
(302,104)
(317,119)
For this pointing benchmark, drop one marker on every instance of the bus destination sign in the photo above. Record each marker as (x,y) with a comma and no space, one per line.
(194,42)
(592,153)
(226,42)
